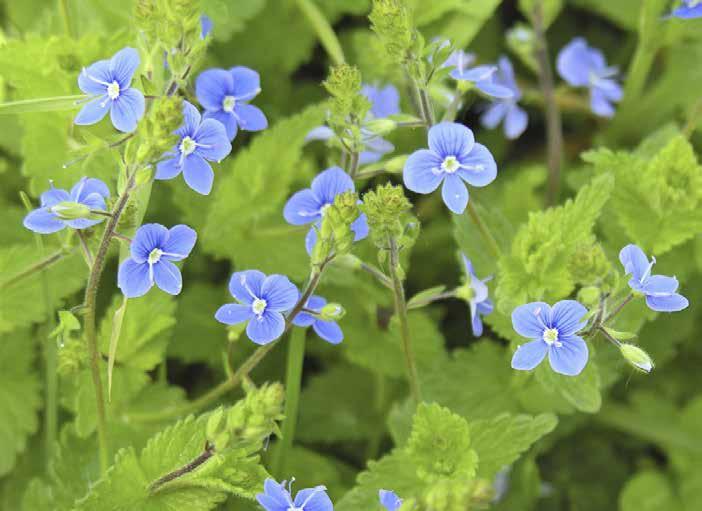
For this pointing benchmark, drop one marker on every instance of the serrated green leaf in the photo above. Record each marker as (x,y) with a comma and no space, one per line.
(582,391)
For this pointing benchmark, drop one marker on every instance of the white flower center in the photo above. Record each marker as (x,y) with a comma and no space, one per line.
(258,306)
(450,165)
(323,209)
(551,337)
(187,146)
(693,3)
(228,103)
(295,509)
(155,255)
(113,90)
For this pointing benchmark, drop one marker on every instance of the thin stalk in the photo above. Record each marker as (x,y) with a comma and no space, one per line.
(353,164)
(484,231)
(611,339)
(377,274)
(63,7)
(89,322)
(618,308)
(401,311)
(241,373)
(87,254)
(693,120)
(39,266)
(293,383)
(373,447)
(426,106)
(554,128)
(432,299)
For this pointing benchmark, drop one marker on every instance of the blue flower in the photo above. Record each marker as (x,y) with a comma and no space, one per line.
(152,251)
(688,10)
(482,77)
(480,304)
(327,330)
(507,110)
(263,300)
(389,500)
(277,498)
(108,82)
(87,192)
(308,206)
(200,141)
(453,157)
(553,331)
(225,95)
(384,101)
(582,66)
(659,290)
(206,26)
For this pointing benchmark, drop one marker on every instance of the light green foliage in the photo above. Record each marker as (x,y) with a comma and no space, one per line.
(19,396)
(392,21)
(461,20)
(648,491)
(347,107)
(237,16)
(582,391)
(547,9)
(669,183)
(387,209)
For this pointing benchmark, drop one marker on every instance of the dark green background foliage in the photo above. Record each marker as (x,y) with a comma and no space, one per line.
(611,438)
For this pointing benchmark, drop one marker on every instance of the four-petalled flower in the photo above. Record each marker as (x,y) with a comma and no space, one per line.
(583,66)
(153,249)
(225,95)
(200,141)
(309,205)
(87,195)
(109,84)
(660,291)
(554,332)
(327,330)
(276,497)
(475,292)
(262,302)
(515,118)
(482,77)
(389,500)
(453,157)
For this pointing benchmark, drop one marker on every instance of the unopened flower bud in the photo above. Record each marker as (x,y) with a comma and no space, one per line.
(332,312)
(69,210)
(637,357)
(381,126)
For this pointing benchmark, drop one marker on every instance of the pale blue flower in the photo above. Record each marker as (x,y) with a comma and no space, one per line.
(452,158)
(480,304)
(108,82)
(389,500)
(507,111)
(659,290)
(554,332)
(276,497)
(482,77)
(206,26)
(327,330)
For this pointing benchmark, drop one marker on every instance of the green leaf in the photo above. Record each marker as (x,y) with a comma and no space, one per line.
(117,321)
(582,391)
(457,20)
(649,490)
(19,396)
(325,32)
(40,105)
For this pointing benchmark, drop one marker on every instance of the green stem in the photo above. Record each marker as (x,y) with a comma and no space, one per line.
(618,308)
(63,7)
(89,325)
(39,266)
(324,31)
(373,447)
(554,128)
(293,383)
(693,119)
(401,312)
(353,165)
(431,299)
(484,231)
(377,274)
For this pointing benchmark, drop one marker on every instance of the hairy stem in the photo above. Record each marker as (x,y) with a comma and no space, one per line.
(37,267)
(618,308)
(554,128)
(87,255)
(206,454)
(89,326)
(293,383)
(401,311)
(484,231)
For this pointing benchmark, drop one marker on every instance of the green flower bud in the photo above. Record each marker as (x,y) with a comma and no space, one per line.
(334,234)
(155,134)
(637,357)
(589,295)
(381,126)
(332,312)
(391,21)
(386,208)
(69,210)
(254,416)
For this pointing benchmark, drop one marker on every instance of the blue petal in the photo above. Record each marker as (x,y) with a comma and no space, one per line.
(279,293)
(476,325)
(529,355)
(329,331)
(168,169)
(227,119)
(570,358)
(573,63)
(198,174)
(455,194)
(123,65)
(657,285)
(474,74)
(180,242)
(485,307)
(506,76)
(668,303)
(43,221)
(212,86)
(206,26)
(360,227)
(53,196)
(566,317)
(685,12)
(213,140)
(191,120)
(94,79)
(311,239)
(93,111)
(275,498)
(600,105)
(316,303)
(266,328)
(168,277)
(422,171)
(610,90)
(516,122)
(482,169)
(532,319)
(302,208)
(494,90)
(246,83)
(389,500)
(233,313)
(250,118)
(328,184)
(319,133)
(245,283)
(303,319)
(451,139)
(313,499)
(368,157)
(88,186)
(147,238)
(384,102)
(493,116)
(133,278)
(127,110)
(634,261)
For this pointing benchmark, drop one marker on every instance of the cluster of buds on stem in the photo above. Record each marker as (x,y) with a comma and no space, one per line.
(334,235)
